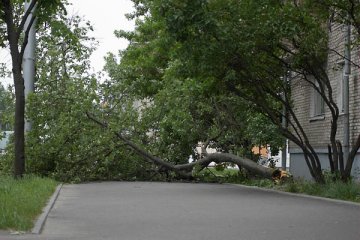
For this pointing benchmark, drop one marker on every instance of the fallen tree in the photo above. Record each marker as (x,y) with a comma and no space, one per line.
(186,170)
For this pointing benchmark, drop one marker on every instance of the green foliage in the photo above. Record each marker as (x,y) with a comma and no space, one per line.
(2,35)
(349,191)
(345,191)
(22,200)
(13,20)
(63,142)
(194,71)
(218,66)
(222,175)
(65,91)
(45,11)
(175,68)
(220,167)
(4,71)
(261,133)
(6,108)
(7,158)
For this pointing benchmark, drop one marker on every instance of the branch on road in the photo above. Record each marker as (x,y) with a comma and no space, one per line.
(186,170)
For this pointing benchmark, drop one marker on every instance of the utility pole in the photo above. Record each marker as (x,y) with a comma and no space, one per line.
(347,72)
(29,59)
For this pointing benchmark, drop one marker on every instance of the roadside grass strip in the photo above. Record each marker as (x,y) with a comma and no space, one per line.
(21,201)
(348,191)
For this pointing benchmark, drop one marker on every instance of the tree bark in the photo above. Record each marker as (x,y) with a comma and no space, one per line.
(351,158)
(246,163)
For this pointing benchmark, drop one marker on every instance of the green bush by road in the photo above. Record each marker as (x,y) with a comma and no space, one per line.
(331,189)
(337,189)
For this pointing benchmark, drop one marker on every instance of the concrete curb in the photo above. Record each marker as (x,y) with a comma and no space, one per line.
(299,195)
(40,222)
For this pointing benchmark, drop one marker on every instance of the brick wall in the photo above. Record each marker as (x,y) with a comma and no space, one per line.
(318,129)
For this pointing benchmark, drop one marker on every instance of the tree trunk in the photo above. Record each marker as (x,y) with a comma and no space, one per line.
(19,163)
(16,57)
(351,158)
(185,170)
(246,163)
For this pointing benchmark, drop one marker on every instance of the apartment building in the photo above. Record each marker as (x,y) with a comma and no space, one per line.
(314,115)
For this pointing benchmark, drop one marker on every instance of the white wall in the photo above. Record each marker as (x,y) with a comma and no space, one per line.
(3,141)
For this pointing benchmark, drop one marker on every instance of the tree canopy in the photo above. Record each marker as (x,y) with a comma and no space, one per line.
(212,61)
(196,73)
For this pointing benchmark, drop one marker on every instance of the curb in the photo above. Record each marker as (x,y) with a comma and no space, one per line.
(355,204)
(40,222)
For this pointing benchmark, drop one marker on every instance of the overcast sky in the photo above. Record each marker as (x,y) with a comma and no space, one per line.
(105,16)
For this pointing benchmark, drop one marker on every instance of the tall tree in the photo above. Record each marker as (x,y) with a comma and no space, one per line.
(242,50)
(180,105)
(63,143)
(16,37)
(248,46)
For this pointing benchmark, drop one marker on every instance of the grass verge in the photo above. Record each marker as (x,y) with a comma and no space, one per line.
(21,201)
(331,189)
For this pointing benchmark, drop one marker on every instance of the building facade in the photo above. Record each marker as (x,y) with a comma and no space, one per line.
(313,114)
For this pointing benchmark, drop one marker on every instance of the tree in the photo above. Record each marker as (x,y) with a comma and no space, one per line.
(271,38)
(177,109)
(64,87)
(345,13)
(12,26)
(186,170)
(63,143)
(241,50)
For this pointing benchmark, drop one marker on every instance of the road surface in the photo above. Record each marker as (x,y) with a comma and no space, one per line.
(185,211)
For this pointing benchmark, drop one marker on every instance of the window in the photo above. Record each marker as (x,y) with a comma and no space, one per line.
(340,87)
(317,105)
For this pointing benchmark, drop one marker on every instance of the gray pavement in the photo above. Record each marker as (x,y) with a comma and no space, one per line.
(179,211)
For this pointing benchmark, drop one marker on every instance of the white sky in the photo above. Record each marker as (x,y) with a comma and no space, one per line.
(106,16)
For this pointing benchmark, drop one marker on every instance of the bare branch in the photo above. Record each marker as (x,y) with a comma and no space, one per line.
(346,58)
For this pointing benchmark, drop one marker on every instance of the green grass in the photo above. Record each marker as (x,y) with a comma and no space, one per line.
(336,190)
(21,201)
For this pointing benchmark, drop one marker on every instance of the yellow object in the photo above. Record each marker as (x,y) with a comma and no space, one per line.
(280,176)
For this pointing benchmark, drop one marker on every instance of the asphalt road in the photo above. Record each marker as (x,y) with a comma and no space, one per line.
(183,211)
